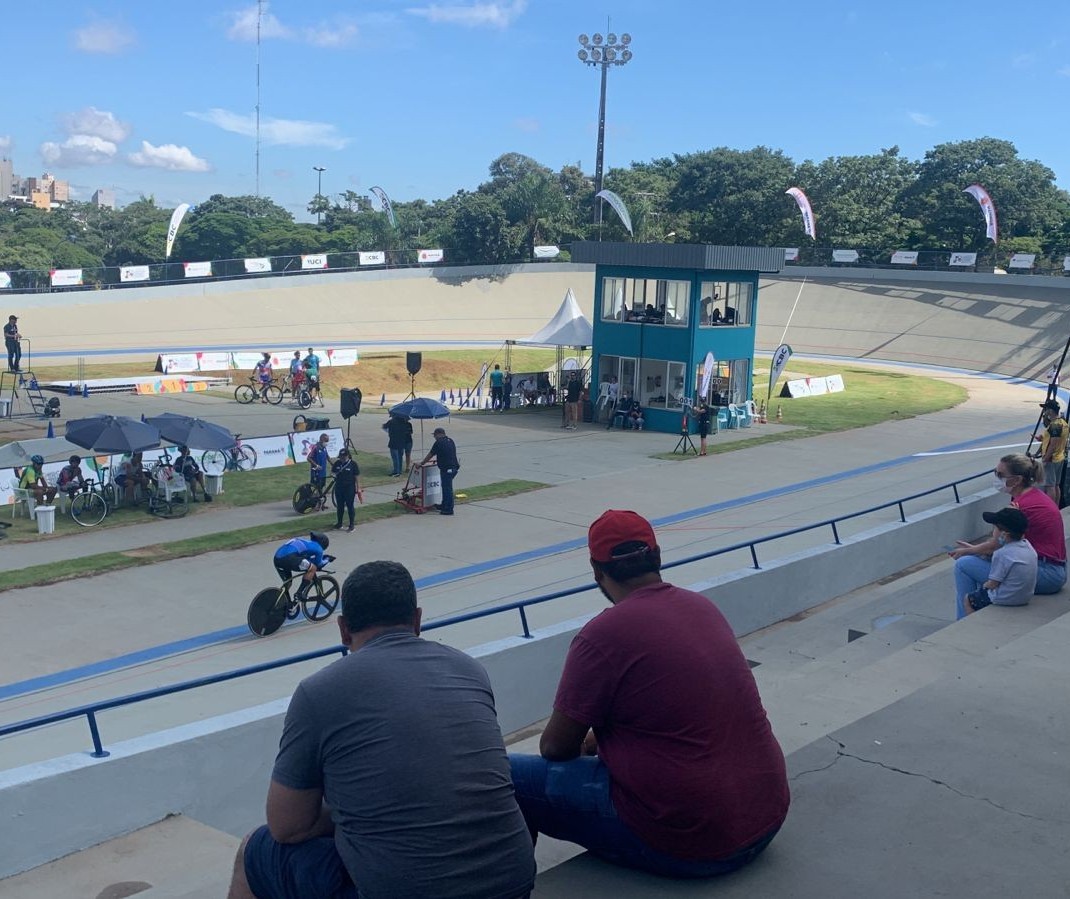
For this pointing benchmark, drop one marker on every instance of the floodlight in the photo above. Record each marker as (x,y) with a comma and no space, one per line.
(611,38)
(626,55)
(596,40)
(582,55)
(611,54)
(596,55)
(626,39)
(584,39)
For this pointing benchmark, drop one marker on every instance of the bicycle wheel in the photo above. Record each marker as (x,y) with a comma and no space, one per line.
(88,509)
(267,611)
(108,492)
(214,462)
(244,393)
(246,458)
(273,394)
(170,508)
(304,398)
(305,499)
(322,599)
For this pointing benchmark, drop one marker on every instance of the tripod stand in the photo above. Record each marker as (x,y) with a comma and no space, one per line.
(685,444)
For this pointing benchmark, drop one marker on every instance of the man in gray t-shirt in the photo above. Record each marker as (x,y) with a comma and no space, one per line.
(1013,574)
(395,750)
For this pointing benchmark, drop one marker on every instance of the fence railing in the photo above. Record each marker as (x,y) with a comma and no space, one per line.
(91,710)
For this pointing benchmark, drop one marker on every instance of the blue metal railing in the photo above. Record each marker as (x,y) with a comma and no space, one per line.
(89,711)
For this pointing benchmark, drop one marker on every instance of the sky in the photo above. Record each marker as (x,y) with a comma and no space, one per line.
(158,99)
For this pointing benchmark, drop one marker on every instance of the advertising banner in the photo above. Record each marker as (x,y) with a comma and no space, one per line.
(834,383)
(134,273)
(66,277)
(197,269)
(809,224)
(247,361)
(375,257)
(213,361)
(429,255)
(172,229)
(342,357)
(845,255)
(272,452)
(547,252)
(314,261)
(1022,260)
(303,441)
(905,257)
(177,362)
(791,254)
(963,259)
(988,209)
(5,279)
(254,266)
(797,388)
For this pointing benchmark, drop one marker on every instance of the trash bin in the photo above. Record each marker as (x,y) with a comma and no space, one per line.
(5,407)
(46,519)
(213,484)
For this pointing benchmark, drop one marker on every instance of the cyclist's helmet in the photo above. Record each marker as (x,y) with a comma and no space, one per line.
(319,537)
(37,460)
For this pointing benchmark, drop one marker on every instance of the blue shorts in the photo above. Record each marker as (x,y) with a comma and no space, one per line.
(310,870)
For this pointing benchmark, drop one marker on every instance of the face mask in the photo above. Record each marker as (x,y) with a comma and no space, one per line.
(999,484)
(1002,539)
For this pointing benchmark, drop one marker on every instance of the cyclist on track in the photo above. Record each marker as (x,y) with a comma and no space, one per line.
(319,460)
(262,373)
(299,555)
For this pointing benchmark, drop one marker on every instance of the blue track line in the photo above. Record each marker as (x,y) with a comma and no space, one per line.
(164,650)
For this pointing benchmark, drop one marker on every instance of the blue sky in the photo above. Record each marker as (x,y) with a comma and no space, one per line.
(157,98)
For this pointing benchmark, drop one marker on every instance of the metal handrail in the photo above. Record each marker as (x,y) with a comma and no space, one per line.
(90,710)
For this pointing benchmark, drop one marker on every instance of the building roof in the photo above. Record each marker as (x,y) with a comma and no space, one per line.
(766,260)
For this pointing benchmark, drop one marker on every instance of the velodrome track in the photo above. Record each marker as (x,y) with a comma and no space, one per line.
(108,626)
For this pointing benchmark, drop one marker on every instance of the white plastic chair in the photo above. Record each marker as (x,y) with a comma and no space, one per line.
(170,482)
(24,498)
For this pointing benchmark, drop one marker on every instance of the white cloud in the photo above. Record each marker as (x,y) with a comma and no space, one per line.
(280,132)
(96,123)
(103,37)
(78,150)
(5,143)
(242,27)
(921,118)
(168,156)
(473,15)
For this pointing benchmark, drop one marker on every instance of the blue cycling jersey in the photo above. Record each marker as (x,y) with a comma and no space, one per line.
(313,362)
(306,549)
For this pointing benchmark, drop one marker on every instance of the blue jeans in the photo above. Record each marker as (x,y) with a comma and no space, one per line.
(396,456)
(972,571)
(571,801)
(447,475)
(310,870)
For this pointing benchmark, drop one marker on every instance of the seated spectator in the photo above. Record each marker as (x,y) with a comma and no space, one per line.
(132,475)
(545,388)
(529,391)
(391,776)
(729,315)
(187,466)
(1013,575)
(33,480)
(716,317)
(658,754)
(635,419)
(1017,475)
(71,479)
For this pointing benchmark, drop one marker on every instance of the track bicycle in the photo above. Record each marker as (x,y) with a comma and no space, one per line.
(88,506)
(313,498)
(274,605)
(237,458)
(247,393)
(164,506)
(301,393)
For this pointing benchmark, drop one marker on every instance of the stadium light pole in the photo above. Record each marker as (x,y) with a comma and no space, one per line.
(319,170)
(603,52)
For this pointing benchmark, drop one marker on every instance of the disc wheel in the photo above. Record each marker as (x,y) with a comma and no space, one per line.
(267,612)
(304,398)
(322,599)
(246,458)
(273,394)
(244,393)
(88,509)
(305,499)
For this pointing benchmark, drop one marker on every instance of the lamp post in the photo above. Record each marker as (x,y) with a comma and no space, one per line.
(603,52)
(319,170)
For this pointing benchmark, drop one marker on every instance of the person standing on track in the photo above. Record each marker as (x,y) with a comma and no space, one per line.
(319,460)
(11,342)
(312,369)
(263,375)
(346,486)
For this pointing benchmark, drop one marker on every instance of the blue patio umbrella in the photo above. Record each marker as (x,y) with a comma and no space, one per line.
(186,430)
(112,434)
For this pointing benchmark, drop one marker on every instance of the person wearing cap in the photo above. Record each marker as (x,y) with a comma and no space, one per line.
(1053,448)
(1017,475)
(444,452)
(346,486)
(1013,575)
(11,341)
(658,754)
(33,479)
(187,466)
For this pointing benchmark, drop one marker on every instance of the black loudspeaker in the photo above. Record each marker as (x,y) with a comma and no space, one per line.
(351,397)
(413,361)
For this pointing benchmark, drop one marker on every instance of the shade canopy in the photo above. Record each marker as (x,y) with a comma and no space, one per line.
(197,433)
(568,327)
(113,434)
(53,449)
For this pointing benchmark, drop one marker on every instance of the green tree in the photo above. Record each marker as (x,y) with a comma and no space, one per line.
(480,231)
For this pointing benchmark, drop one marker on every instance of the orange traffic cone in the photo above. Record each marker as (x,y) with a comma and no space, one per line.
(761,413)
(779,413)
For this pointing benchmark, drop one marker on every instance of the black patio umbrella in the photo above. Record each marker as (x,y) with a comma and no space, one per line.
(112,434)
(421,408)
(197,433)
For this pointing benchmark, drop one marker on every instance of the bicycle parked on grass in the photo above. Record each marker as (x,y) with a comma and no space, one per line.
(88,506)
(274,605)
(166,504)
(248,393)
(313,498)
(237,458)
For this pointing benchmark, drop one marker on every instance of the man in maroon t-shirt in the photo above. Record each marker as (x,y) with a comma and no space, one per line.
(658,754)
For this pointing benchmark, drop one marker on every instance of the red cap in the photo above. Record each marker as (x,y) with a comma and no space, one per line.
(615,527)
